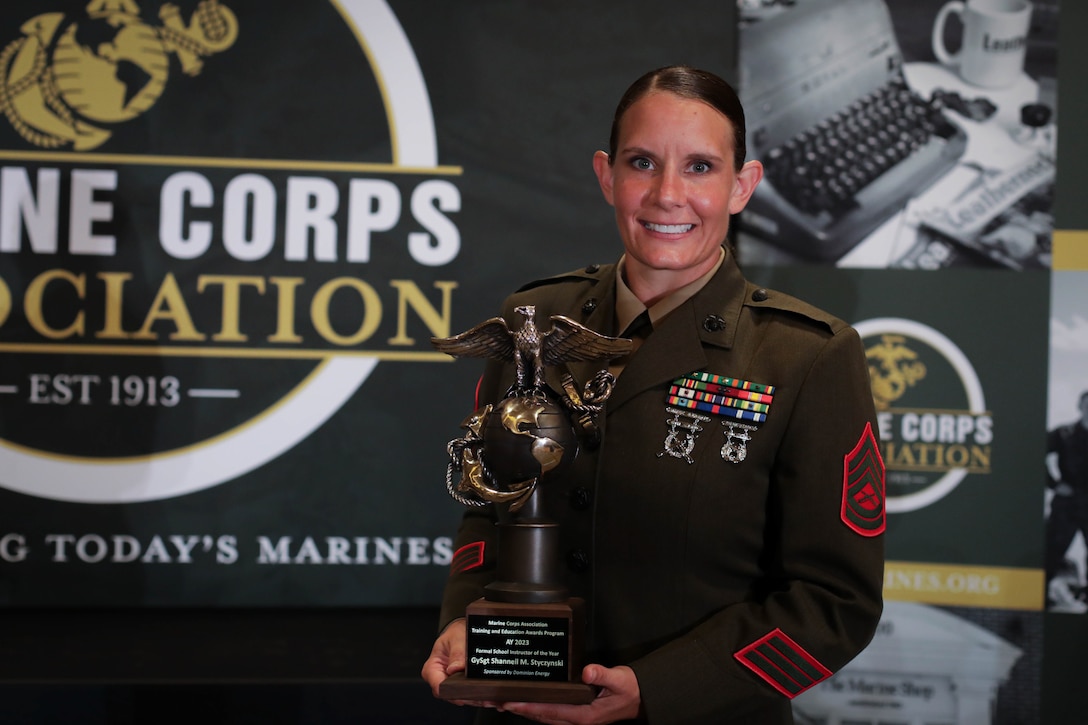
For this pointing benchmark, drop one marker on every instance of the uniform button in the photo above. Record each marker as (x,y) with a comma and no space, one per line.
(589,305)
(760,295)
(577,560)
(713,323)
(593,268)
(579,498)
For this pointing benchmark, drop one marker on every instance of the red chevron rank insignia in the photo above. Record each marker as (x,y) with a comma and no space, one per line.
(863,486)
(467,557)
(782,663)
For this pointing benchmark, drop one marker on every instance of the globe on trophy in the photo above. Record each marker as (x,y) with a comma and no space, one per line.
(524,636)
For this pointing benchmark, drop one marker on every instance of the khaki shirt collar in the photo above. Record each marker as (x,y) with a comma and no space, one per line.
(628,307)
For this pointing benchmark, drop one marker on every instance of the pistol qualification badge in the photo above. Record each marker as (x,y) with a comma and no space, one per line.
(732,398)
(737,436)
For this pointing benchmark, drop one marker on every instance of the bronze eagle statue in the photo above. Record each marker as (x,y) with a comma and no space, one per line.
(529,349)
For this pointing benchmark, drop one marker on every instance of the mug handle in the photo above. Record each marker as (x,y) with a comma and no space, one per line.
(938,31)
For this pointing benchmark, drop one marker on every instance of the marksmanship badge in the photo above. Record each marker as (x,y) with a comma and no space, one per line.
(737,436)
(680,441)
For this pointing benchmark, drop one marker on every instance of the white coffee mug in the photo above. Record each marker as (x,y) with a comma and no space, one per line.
(995,36)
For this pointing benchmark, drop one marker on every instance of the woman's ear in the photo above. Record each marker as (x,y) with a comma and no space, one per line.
(748,179)
(603,168)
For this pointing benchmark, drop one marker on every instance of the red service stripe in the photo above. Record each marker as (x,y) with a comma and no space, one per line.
(467,557)
(782,663)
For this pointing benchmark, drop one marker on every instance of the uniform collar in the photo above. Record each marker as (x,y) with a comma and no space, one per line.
(628,307)
(708,318)
(717,306)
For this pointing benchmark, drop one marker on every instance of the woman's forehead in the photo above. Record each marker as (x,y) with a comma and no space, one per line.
(660,112)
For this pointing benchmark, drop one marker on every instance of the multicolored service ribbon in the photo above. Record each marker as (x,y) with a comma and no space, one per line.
(721,395)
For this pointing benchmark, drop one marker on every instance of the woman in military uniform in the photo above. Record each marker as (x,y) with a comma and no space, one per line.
(727,530)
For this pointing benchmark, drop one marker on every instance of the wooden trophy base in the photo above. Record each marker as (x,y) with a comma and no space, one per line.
(460,687)
(519,652)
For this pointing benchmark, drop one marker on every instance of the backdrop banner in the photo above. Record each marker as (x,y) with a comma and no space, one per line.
(228,231)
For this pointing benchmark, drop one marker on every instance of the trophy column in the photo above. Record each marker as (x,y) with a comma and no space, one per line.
(524,637)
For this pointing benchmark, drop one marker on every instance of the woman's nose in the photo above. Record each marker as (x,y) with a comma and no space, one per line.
(668,188)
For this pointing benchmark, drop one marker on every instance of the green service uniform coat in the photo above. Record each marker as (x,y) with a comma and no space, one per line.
(727,587)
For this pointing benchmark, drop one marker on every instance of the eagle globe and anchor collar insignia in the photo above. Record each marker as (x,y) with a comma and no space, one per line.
(743,405)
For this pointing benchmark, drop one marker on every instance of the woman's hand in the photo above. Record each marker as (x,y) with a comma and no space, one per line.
(619,699)
(447,655)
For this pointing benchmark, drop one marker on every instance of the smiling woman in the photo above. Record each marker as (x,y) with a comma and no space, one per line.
(726,529)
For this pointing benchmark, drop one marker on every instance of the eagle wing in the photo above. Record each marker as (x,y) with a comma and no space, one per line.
(569,341)
(490,339)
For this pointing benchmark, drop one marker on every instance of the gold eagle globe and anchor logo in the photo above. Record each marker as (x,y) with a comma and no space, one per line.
(52,113)
(893,369)
(935,427)
(68,81)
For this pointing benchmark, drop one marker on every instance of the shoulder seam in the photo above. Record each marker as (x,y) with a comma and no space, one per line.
(592,273)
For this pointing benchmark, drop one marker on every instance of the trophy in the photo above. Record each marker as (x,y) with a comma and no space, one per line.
(524,636)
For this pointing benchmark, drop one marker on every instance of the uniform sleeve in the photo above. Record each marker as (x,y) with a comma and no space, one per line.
(474,547)
(820,599)
(472,566)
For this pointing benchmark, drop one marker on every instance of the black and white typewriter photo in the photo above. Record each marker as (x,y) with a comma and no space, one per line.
(900,134)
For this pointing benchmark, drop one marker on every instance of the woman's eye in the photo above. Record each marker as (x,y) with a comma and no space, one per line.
(700,167)
(642,163)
